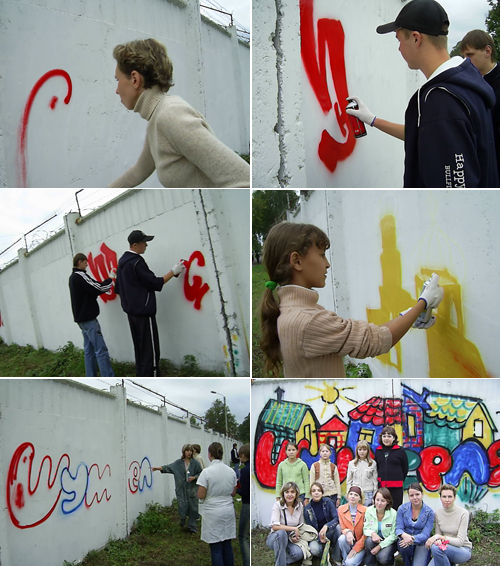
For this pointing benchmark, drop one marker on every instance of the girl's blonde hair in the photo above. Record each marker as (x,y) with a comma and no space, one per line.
(149,58)
(282,240)
(286,487)
(369,461)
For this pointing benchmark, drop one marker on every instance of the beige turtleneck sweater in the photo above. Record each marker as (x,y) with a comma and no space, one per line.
(313,340)
(182,147)
(453,524)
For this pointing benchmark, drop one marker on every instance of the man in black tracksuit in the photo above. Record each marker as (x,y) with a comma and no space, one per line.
(448,130)
(84,292)
(136,284)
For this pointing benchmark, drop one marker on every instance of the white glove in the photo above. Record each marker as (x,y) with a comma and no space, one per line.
(433,294)
(418,323)
(362,112)
(112,273)
(178,268)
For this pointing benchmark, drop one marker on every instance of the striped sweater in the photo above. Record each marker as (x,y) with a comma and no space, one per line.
(313,340)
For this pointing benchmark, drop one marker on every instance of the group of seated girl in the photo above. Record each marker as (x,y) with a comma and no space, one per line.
(359,535)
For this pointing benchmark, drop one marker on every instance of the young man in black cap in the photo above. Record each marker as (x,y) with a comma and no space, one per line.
(136,284)
(84,292)
(448,132)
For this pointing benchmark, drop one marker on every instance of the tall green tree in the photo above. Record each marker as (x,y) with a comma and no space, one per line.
(216,421)
(493,23)
(269,207)
(244,430)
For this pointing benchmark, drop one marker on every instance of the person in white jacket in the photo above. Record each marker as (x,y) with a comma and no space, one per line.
(362,471)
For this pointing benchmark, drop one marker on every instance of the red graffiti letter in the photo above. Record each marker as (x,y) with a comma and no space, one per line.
(331,35)
(100,266)
(494,458)
(23,127)
(435,462)
(196,290)
(344,456)
(265,470)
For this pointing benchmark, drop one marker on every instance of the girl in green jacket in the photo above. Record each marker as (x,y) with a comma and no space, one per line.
(380,529)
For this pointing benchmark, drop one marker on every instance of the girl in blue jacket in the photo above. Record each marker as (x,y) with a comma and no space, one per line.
(414,524)
(321,514)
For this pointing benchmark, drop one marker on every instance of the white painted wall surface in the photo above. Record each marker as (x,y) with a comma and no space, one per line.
(473,467)
(457,232)
(73,432)
(288,120)
(36,308)
(93,139)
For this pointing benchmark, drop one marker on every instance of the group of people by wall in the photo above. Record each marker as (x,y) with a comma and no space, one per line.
(208,491)
(309,520)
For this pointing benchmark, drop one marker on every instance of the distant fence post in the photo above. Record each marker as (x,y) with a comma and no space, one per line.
(195,57)
(25,276)
(239,83)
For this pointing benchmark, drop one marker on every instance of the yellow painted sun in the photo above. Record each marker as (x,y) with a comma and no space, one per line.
(330,395)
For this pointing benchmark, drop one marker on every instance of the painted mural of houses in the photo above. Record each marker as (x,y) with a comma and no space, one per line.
(333,432)
(288,421)
(453,419)
(414,409)
(369,418)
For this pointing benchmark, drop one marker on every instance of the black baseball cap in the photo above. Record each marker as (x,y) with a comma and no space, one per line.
(137,236)
(425,16)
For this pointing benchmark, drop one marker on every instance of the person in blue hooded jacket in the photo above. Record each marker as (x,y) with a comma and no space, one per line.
(136,284)
(448,131)
(321,513)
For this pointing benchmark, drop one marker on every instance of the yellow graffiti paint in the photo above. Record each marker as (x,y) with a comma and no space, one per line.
(330,395)
(393,298)
(451,354)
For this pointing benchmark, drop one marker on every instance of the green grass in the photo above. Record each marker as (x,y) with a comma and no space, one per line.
(484,533)
(68,361)
(157,539)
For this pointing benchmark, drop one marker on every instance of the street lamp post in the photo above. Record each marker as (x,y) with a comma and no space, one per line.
(225,409)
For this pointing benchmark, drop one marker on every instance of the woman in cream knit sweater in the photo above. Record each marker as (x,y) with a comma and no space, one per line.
(450,544)
(179,144)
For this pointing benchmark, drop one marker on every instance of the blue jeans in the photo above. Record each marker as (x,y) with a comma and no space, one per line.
(414,555)
(285,552)
(452,555)
(316,546)
(384,556)
(236,468)
(95,349)
(244,533)
(222,553)
(345,548)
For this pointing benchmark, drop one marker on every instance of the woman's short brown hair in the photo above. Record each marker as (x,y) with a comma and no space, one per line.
(79,257)
(448,487)
(386,494)
(388,430)
(149,58)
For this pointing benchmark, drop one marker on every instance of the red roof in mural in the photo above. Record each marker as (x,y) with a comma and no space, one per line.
(378,411)
(334,424)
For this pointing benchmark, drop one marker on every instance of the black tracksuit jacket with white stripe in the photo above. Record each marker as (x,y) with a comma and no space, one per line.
(84,292)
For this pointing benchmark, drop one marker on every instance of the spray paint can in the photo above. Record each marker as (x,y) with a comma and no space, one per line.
(426,314)
(357,125)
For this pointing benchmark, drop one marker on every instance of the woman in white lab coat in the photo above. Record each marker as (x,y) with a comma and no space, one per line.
(216,489)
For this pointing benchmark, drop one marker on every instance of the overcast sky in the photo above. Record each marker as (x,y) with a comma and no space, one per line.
(193,394)
(23,209)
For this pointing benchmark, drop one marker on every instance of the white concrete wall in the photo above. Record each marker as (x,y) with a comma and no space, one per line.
(459,447)
(211,224)
(384,244)
(291,77)
(92,139)
(74,467)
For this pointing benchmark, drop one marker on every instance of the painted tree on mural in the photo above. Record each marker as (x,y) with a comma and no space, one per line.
(448,438)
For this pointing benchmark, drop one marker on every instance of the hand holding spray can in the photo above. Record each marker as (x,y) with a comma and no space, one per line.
(357,124)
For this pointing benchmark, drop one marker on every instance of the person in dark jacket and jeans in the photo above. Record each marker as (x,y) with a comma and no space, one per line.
(136,284)
(84,292)
(448,130)
(243,491)
(321,513)
(235,461)
(392,464)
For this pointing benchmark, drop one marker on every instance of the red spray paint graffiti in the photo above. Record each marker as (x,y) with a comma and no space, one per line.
(52,486)
(330,40)
(23,127)
(100,267)
(196,290)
